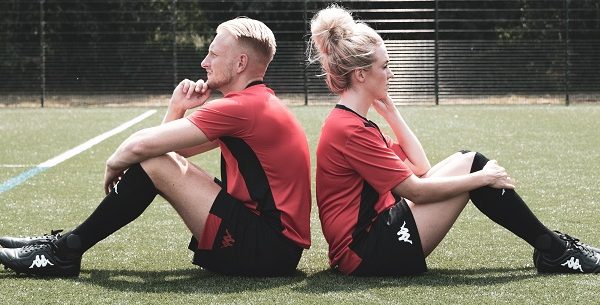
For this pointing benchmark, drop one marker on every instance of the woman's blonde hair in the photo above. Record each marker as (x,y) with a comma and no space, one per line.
(254,34)
(343,45)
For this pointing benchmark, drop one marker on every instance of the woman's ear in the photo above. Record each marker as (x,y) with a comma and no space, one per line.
(359,75)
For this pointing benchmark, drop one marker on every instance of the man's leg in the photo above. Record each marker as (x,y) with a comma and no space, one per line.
(126,201)
(229,237)
(178,180)
(190,190)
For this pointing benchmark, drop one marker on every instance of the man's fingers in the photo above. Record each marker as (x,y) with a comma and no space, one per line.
(185,86)
(192,86)
(203,86)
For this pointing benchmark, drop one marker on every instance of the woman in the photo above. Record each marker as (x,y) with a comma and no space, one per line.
(383,208)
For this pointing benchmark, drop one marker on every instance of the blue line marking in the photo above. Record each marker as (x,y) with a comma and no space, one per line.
(14,181)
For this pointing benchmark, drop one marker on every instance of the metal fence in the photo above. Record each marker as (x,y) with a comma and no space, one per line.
(442,51)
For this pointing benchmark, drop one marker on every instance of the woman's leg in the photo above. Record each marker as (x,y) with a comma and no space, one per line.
(506,208)
(434,220)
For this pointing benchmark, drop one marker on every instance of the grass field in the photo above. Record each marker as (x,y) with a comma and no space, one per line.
(551,150)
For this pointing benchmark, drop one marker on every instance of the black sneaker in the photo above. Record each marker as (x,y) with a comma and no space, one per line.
(40,260)
(18,242)
(576,259)
(571,239)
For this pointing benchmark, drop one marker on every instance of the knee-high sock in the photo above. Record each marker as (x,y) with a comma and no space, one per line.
(506,208)
(126,201)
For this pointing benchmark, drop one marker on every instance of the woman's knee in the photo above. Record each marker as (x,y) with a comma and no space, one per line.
(466,158)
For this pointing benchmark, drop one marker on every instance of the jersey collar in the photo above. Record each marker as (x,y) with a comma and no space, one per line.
(254,83)
(368,123)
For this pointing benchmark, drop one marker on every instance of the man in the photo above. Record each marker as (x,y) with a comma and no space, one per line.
(253,222)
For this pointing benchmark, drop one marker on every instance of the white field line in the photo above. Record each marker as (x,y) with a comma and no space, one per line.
(14,181)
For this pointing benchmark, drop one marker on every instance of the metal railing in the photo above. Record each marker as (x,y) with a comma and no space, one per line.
(442,51)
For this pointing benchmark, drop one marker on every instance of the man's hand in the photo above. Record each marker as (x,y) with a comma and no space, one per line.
(112,176)
(189,94)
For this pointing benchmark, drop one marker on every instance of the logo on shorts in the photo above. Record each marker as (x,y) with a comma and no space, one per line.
(227,240)
(403,234)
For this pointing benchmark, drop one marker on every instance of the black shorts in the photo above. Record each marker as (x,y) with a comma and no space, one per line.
(392,246)
(239,242)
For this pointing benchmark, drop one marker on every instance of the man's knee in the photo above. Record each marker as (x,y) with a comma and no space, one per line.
(164,164)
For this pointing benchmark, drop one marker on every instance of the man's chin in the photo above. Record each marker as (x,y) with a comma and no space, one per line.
(212,85)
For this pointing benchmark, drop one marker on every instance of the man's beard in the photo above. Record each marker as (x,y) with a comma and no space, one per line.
(220,82)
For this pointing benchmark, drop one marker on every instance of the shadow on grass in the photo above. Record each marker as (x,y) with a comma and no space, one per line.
(330,281)
(182,281)
(194,280)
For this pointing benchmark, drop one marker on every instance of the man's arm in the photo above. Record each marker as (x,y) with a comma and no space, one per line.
(152,142)
(188,95)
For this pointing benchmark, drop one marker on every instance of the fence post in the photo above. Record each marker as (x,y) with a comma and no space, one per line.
(567,62)
(42,54)
(174,33)
(436,87)
(305,17)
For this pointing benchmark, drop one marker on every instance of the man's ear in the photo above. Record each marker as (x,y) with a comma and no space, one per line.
(242,63)
(359,75)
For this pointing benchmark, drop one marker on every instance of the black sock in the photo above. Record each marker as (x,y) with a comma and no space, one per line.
(132,195)
(506,208)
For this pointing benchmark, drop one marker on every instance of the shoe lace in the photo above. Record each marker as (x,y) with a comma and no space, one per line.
(31,248)
(53,233)
(571,239)
(574,243)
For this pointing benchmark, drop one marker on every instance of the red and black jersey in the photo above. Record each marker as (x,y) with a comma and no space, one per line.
(265,161)
(357,167)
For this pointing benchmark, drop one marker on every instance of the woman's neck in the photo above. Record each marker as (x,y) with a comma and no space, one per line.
(356,101)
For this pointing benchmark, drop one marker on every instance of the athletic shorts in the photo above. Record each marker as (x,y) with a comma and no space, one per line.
(236,241)
(392,245)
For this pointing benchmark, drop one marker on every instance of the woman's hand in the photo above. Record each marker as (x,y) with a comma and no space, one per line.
(497,175)
(385,107)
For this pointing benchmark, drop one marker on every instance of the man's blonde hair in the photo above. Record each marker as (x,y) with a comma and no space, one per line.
(253,33)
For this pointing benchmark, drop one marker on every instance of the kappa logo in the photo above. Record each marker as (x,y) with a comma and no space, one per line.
(40,261)
(404,235)
(572,263)
(228,240)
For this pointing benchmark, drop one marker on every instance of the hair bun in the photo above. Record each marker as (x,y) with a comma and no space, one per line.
(329,27)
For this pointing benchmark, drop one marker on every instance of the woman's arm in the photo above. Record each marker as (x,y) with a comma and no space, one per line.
(433,189)
(416,158)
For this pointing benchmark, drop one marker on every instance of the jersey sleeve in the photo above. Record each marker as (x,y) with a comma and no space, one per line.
(379,165)
(222,117)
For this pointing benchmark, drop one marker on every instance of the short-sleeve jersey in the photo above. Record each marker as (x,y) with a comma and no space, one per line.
(265,161)
(357,167)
